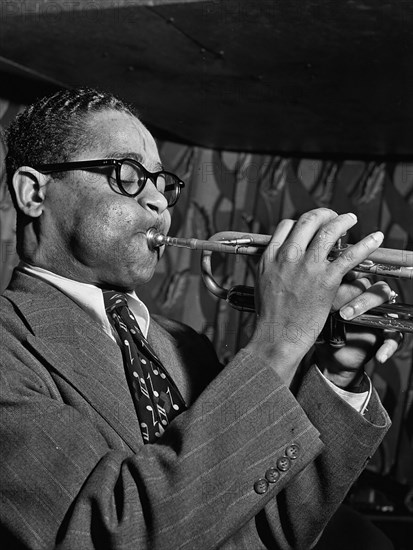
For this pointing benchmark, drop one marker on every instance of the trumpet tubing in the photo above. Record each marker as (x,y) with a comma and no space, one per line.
(385,262)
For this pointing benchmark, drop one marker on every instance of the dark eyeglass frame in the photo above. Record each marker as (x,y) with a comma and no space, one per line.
(101,163)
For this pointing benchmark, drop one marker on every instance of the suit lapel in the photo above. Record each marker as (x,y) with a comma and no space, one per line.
(188,357)
(75,347)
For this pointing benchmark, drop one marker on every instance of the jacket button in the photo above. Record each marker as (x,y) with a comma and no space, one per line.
(283,464)
(292,451)
(261,486)
(272,474)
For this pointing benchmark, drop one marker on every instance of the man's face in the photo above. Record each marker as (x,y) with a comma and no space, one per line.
(94,234)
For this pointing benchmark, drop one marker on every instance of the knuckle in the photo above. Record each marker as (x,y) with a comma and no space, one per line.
(384,286)
(284,223)
(381,288)
(316,215)
(327,282)
(327,233)
(308,216)
(324,210)
(362,284)
(346,257)
(360,304)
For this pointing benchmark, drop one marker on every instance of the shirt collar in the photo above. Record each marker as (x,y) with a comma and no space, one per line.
(90,298)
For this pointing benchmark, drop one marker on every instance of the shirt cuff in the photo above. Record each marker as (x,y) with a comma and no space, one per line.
(358,401)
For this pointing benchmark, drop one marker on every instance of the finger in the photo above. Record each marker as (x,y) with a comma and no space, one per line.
(328,235)
(392,342)
(307,226)
(280,234)
(355,254)
(354,275)
(282,230)
(376,295)
(347,291)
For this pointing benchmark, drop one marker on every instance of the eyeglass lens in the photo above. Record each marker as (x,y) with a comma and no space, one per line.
(133,178)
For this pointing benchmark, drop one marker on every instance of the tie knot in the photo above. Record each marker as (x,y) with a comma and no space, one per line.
(113,300)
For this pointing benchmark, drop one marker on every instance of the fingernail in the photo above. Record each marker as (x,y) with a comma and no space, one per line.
(383,358)
(352,215)
(347,312)
(378,236)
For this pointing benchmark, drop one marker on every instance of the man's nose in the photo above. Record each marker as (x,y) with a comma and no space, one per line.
(152,199)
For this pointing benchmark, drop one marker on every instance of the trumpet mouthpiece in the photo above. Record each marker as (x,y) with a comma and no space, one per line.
(155,239)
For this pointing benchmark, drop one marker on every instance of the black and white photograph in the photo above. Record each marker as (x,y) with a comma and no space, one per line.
(206,275)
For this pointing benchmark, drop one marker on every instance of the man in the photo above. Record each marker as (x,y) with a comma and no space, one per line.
(258,454)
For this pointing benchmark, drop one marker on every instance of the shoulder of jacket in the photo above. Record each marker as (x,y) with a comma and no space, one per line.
(175,328)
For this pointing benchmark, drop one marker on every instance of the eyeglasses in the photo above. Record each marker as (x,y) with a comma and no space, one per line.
(130,176)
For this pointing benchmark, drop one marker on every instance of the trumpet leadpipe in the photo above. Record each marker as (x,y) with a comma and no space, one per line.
(249,244)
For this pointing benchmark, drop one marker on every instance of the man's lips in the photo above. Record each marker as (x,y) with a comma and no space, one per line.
(159,227)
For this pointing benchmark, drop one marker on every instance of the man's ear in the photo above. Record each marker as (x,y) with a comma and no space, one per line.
(30,189)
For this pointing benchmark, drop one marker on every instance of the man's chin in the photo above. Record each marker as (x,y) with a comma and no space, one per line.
(130,276)
(143,276)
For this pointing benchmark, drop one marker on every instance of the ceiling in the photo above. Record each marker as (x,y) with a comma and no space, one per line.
(306,77)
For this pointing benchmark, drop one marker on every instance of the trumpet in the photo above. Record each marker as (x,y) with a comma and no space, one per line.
(385,262)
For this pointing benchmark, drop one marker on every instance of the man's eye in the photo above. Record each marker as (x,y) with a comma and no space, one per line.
(130,186)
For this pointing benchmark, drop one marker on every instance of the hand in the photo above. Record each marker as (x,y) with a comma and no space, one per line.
(354,297)
(296,284)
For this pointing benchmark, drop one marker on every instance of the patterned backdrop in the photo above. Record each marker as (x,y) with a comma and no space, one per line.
(249,192)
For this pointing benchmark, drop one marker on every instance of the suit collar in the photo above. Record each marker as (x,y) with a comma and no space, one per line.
(74,346)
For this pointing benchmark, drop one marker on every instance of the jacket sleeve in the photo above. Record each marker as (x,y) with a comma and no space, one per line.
(63,485)
(301,511)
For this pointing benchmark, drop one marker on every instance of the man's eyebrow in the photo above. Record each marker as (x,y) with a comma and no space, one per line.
(131,155)
(124,155)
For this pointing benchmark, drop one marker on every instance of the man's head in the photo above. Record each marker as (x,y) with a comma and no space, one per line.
(73,222)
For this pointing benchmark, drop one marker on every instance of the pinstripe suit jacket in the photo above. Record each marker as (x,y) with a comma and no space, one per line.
(76,475)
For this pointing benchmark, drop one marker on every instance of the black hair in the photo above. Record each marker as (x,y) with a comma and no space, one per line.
(53,129)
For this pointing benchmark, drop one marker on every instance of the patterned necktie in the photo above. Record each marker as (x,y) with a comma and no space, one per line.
(156,398)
